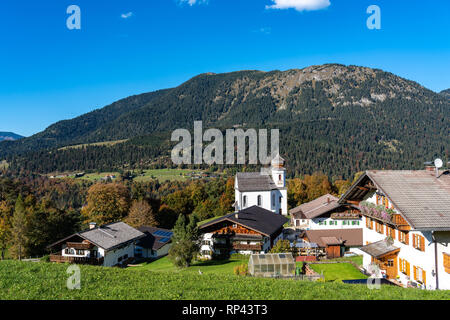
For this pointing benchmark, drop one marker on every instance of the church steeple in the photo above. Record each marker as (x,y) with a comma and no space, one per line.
(278,171)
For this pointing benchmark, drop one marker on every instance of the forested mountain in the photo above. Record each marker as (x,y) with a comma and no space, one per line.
(332,118)
(9,136)
(446,93)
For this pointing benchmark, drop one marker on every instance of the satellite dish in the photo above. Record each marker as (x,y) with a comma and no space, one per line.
(438,163)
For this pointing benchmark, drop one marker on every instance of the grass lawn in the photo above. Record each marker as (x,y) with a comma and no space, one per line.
(97,176)
(355,259)
(166,174)
(148,175)
(210,266)
(105,143)
(338,271)
(39,281)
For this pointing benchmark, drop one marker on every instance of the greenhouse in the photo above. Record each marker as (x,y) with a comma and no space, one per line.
(272,265)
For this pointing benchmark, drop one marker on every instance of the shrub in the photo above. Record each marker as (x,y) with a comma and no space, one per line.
(241,270)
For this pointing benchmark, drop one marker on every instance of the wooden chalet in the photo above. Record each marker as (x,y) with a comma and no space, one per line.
(252,230)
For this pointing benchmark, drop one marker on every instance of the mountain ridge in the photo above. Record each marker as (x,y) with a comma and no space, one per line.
(445,93)
(374,116)
(10,136)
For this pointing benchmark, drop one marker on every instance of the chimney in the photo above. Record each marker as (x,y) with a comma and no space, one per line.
(92,225)
(328,200)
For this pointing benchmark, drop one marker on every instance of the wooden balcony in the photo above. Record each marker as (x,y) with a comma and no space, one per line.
(253,247)
(79,245)
(400,222)
(78,260)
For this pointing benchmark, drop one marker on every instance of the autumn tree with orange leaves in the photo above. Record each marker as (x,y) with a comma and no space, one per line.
(106,203)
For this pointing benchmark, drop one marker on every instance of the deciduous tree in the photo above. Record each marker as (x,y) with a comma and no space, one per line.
(141,214)
(106,203)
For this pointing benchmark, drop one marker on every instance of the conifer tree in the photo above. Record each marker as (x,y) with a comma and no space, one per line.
(19,229)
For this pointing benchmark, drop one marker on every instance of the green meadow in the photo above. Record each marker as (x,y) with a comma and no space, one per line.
(38,281)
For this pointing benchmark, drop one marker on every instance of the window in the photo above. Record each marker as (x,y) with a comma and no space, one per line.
(355,223)
(259,200)
(404,266)
(418,242)
(69,251)
(245,201)
(403,237)
(379,227)
(279,178)
(80,252)
(369,223)
(390,263)
(390,232)
(344,222)
(273,199)
(279,199)
(322,223)
(420,275)
(447,262)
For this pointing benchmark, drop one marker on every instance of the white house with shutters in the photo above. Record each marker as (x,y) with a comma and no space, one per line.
(406,225)
(325,213)
(265,189)
(108,245)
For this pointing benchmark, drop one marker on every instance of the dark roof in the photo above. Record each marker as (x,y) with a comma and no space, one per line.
(108,236)
(421,198)
(155,238)
(324,237)
(379,248)
(316,207)
(254,218)
(254,181)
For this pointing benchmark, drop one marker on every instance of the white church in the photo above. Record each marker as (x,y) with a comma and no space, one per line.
(266,189)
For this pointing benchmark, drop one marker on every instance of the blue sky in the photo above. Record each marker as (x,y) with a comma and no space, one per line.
(49,73)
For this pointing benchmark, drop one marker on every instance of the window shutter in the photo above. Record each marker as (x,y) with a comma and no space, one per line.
(393,234)
(414,242)
(422,243)
(407,238)
(424,277)
(415,272)
(408,269)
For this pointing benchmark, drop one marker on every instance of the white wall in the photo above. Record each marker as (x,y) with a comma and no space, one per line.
(423,259)
(314,224)
(111,257)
